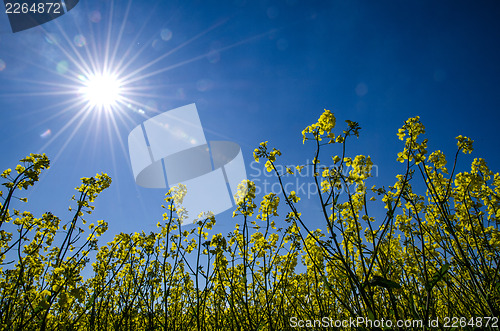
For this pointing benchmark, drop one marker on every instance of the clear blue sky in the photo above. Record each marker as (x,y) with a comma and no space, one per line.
(257,70)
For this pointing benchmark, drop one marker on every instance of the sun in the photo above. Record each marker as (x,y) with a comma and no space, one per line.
(102,90)
(109,75)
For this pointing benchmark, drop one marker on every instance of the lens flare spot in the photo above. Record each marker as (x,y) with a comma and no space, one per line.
(204,85)
(181,94)
(166,34)
(95,16)
(213,56)
(158,44)
(62,67)
(52,39)
(361,89)
(46,134)
(79,40)
(2,65)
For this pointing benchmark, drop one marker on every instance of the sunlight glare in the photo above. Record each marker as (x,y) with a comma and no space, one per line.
(102,90)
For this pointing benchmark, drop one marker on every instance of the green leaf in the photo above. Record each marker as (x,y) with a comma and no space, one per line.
(328,286)
(438,276)
(371,315)
(382,282)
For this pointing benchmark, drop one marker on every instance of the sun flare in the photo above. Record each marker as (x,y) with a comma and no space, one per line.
(102,90)
(111,77)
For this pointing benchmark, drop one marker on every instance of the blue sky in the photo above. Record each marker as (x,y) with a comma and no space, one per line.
(257,70)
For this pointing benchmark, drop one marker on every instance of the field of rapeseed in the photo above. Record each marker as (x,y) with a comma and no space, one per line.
(434,254)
